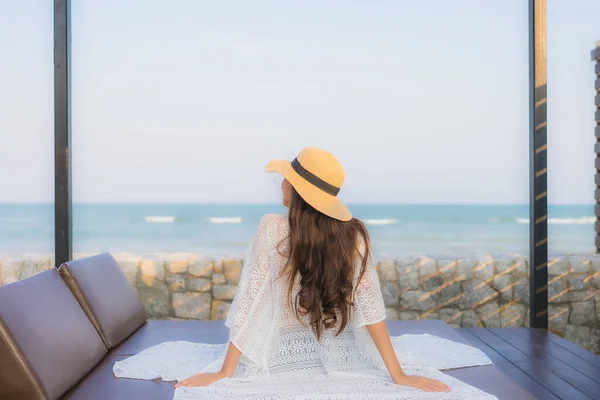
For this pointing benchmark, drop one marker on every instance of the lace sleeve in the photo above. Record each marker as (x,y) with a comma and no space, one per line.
(250,318)
(368,300)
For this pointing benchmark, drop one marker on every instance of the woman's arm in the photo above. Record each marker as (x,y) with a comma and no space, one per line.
(229,364)
(231,360)
(381,337)
(249,309)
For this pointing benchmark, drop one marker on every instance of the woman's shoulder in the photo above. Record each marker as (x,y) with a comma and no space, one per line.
(275,224)
(272,219)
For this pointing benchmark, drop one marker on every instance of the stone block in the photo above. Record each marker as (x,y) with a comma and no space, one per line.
(201,267)
(522,267)
(489,314)
(595,280)
(557,290)
(580,335)
(595,341)
(583,295)
(11,270)
(464,269)
(597,301)
(33,267)
(391,313)
(476,293)
(387,269)
(218,267)
(451,315)
(155,298)
(232,270)
(558,266)
(522,291)
(470,320)
(595,260)
(583,313)
(447,268)
(149,281)
(409,316)
(580,265)
(427,267)
(417,300)
(391,293)
(199,284)
(503,284)
(433,284)
(177,266)
(218,279)
(152,267)
(430,315)
(506,265)
(513,315)
(192,305)
(484,271)
(579,281)
(451,295)
(176,283)
(219,310)
(224,292)
(558,316)
(408,274)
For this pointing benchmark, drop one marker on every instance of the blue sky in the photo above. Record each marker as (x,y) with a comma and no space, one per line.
(422,102)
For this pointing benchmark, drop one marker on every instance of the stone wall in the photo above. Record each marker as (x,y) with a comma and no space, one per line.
(488,292)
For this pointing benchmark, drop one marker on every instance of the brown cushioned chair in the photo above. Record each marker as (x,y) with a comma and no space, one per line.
(47,343)
(104,294)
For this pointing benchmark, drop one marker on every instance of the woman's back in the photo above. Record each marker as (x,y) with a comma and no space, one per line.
(294,346)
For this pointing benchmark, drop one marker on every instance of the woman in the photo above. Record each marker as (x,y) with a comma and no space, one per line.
(308,317)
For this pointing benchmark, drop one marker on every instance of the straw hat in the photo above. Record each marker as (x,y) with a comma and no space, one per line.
(317,176)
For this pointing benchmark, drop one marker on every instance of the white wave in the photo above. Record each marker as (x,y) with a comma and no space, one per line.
(563,221)
(225,220)
(384,221)
(160,220)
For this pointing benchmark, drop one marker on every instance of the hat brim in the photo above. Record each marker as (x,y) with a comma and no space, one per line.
(323,202)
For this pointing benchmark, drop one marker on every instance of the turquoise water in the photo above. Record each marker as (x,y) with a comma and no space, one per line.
(225,229)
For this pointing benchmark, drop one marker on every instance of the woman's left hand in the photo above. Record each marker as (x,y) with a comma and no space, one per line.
(201,379)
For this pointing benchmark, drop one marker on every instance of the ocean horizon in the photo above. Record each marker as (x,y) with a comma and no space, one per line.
(224,230)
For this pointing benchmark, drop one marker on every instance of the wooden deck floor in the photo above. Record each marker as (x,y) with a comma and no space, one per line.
(528,364)
(545,365)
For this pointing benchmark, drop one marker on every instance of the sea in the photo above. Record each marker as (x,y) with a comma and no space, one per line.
(224,230)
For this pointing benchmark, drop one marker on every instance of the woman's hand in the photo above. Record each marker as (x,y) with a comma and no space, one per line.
(381,338)
(422,383)
(202,379)
(229,364)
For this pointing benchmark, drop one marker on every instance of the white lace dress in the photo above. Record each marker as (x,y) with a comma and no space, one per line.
(281,358)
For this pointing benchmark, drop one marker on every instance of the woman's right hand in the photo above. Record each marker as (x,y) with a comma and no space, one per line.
(422,383)
(202,379)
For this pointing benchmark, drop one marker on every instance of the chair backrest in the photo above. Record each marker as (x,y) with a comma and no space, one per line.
(47,343)
(105,295)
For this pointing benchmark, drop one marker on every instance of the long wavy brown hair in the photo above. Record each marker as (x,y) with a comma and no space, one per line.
(324,253)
